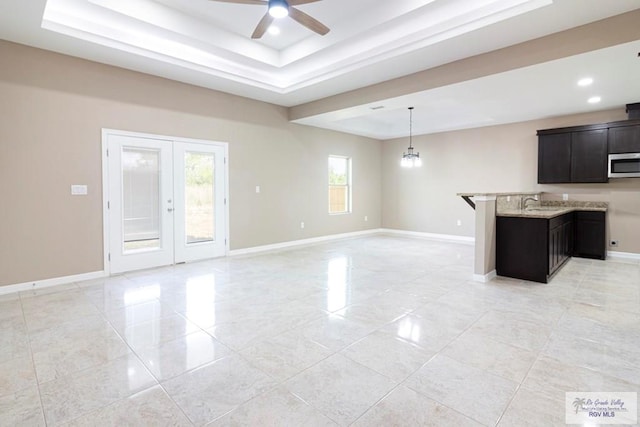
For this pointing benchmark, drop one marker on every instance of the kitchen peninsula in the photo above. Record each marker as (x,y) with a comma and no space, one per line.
(523,236)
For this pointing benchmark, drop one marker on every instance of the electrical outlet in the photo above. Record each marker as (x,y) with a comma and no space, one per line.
(366,218)
(459,223)
(508,198)
(565,197)
(257,188)
(78,190)
(302,225)
(613,243)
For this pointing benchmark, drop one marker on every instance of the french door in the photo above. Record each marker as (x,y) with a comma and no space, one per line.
(165,201)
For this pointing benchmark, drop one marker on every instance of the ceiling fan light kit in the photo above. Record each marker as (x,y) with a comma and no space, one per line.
(280,9)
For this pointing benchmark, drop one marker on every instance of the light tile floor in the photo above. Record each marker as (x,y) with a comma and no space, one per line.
(375,331)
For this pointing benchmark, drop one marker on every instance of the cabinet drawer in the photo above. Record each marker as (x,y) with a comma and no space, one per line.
(559,220)
(591,215)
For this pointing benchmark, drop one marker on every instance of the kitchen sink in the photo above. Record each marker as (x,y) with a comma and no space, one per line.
(544,208)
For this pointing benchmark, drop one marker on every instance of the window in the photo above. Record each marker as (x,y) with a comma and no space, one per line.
(339,185)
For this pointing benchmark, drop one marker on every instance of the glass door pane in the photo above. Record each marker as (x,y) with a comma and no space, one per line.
(199,197)
(199,187)
(140,199)
(140,202)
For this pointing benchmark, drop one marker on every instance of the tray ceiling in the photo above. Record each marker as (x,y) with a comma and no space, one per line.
(207,43)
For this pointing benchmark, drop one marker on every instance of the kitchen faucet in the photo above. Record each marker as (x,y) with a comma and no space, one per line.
(524,200)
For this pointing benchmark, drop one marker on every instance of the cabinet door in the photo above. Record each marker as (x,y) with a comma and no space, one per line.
(589,156)
(554,158)
(590,235)
(567,239)
(522,248)
(555,237)
(624,139)
(560,241)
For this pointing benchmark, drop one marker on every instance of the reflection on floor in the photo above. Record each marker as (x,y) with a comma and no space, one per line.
(374,331)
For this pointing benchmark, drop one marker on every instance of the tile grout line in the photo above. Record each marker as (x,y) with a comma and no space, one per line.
(571,298)
(159,383)
(539,355)
(33,363)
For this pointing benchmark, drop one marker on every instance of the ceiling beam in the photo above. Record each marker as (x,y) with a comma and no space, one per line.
(602,34)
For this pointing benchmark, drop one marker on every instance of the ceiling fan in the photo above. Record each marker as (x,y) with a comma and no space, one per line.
(280,9)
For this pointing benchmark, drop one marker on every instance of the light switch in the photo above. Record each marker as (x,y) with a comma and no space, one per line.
(78,190)
(257,188)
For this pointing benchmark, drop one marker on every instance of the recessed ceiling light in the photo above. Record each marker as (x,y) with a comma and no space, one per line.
(594,100)
(273,30)
(585,82)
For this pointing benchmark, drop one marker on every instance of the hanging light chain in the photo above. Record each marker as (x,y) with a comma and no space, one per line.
(411,128)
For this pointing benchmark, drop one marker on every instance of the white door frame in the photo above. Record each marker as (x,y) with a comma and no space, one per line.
(105,183)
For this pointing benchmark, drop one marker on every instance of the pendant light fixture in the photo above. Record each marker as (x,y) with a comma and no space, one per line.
(410,159)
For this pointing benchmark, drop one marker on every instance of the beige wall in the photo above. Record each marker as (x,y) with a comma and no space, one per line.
(53,107)
(491,159)
(52,110)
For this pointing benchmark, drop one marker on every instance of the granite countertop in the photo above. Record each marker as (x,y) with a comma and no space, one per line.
(508,205)
(548,212)
(521,193)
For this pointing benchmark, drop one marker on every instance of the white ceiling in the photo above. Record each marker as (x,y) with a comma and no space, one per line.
(208,43)
(544,90)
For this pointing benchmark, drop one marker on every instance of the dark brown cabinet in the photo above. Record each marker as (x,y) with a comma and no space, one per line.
(560,241)
(535,248)
(579,154)
(589,156)
(624,139)
(591,237)
(572,156)
(554,158)
(532,248)
(521,248)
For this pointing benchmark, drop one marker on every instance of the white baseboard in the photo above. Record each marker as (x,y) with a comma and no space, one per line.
(623,256)
(46,283)
(430,236)
(484,278)
(39,284)
(302,242)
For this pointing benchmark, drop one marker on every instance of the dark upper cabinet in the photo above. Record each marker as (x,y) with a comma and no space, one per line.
(589,156)
(578,156)
(579,153)
(624,139)
(554,158)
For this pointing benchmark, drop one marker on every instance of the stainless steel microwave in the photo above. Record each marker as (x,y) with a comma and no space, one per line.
(625,165)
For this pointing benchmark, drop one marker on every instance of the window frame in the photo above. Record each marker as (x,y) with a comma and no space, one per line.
(348,185)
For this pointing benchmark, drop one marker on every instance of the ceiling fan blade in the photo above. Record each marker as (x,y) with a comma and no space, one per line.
(260,2)
(297,2)
(309,22)
(263,26)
